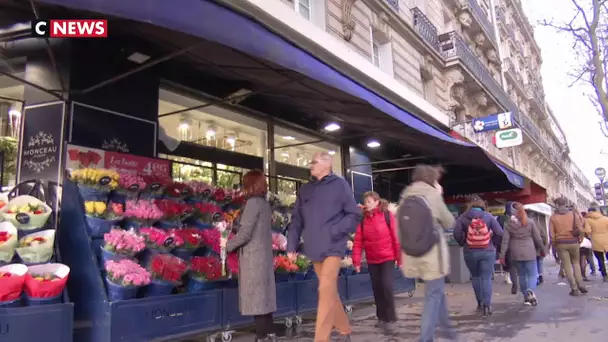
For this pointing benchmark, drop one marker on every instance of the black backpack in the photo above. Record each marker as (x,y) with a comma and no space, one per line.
(416,226)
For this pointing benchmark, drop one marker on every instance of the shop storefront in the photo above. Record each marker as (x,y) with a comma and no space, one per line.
(199,93)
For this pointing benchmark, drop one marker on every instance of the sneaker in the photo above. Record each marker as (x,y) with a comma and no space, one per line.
(574,293)
(540,280)
(583,289)
(532,297)
(487,311)
(508,279)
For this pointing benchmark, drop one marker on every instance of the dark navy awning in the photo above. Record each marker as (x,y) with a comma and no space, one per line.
(218,24)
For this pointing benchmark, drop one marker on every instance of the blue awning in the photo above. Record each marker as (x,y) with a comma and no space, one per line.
(513,177)
(215,23)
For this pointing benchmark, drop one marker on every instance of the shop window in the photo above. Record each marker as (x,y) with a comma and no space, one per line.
(211,126)
(186,169)
(229,177)
(291,148)
(11,109)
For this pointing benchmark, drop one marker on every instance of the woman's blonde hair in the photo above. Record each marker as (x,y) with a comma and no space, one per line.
(374,195)
(520,213)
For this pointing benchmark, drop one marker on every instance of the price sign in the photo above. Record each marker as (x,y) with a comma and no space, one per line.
(155,186)
(217,216)
(168,241)
(228,199)
(136,164)
(105,180)
(134,187)
(22,218)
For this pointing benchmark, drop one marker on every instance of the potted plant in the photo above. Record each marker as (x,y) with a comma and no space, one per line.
(159,241)
(192,241)
(174,213)
(283,267)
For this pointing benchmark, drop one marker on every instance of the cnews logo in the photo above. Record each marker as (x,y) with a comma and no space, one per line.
(70,28)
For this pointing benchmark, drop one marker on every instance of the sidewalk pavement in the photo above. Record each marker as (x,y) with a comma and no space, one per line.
(557,318)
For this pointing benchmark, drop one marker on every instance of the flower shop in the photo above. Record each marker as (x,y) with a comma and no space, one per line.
(146,251)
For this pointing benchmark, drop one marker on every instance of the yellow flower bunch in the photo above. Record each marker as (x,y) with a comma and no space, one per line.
(94,208)
(94,177)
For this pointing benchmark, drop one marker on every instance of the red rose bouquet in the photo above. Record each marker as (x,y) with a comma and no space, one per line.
(201,190)
(206,213)
(161,240)
(192,237)
(206,268)
(173,211)
(211,239)
(167,268)
(282,264)
(178,190)
(156,184)
(232,264)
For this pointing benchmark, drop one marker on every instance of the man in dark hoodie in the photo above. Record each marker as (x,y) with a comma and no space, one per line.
(324,215)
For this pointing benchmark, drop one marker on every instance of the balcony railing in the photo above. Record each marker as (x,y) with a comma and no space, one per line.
(426,29)
(500,15)
(454,47)
(394,4)
(482,19)
(512,70)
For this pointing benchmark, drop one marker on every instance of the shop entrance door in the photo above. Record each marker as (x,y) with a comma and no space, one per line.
(361,183)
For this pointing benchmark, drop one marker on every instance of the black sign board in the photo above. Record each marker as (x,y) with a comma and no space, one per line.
(105,180)
(42,142)
(22,218)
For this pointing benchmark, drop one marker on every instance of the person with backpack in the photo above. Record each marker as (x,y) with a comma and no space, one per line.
(511,276)
(422,217)
(522,240)
(596,226)
(377,235)
(474,231)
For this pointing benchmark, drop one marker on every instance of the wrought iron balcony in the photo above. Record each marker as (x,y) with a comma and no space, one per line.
(453,47)
(426,29)
(537,97)
(501,15)
(394,4)
(482,18)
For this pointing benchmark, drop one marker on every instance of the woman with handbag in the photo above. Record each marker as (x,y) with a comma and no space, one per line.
(377,235)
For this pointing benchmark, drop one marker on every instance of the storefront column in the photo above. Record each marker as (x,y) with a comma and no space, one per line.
(270,160)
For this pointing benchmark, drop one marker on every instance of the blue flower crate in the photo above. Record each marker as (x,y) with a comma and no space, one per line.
(131,224)
(159,288)
(15,303)
(287,304)
(33,301)
(359,288)
(52,323)
(346,271)
(91,194)
(231,316)
(198,285)
(107,255)
(281,277)
(98,227)
(307,296)
(199,225)
(298,276)
(183,253)
(167,225)
(117,292)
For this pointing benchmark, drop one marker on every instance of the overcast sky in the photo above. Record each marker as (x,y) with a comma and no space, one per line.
(576,115)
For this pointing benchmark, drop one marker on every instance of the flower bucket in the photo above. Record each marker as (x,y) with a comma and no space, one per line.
(228,283)
(97,227)
(199,285)
(92,194)
(183,253)
(159,288)
(15,303)
(299,276)
(107,255)
(26,222)
(281,277)
(129,223)
(310,275)
(167,224)
(117,292)
(199,224)
(347,271)
(31,301)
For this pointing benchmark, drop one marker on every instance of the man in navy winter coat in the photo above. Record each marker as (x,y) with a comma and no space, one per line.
(325,214)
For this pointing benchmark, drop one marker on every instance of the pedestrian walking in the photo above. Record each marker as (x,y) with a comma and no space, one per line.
(324,215)
(422,217)
(522,240)
(566,232)
(474,231)
(590,256)
(541,253)
(253,243)
(377,235)
(511,277)
(596,226)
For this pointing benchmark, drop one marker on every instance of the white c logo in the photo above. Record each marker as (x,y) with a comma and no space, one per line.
(38,29)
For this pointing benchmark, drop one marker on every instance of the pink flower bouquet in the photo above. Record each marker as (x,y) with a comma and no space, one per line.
(145,212)
(201,190)
(279,242)
(130,182)
(127,273)
(123,242)
(161,240)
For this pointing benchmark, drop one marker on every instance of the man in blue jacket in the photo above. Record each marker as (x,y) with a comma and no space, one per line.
(324,215)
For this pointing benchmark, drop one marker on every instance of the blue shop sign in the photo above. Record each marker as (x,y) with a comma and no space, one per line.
(493,122)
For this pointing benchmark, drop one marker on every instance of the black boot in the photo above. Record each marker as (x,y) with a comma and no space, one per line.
(514,288)
(487,311)
(479,306)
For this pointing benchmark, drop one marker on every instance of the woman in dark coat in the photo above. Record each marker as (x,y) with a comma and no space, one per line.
(257,293)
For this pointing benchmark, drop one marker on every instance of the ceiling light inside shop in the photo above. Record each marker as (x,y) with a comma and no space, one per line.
(231,140)
(184,124)
(14,112)
(332,127)
(373,144)
(138,58)
(331,153)
(285,154)
(210,132)
(288,137)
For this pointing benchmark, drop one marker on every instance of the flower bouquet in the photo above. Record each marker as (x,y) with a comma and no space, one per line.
(155,186)
(346,266)
(279,221)
(37,247)
(26,213)
(44,284)
(173,213)
(225,231)
(177,190)
(141,213)
(129,186)
(159,241)
(102,217)
(201,191)
(211,241)
(279,243)
(283,267)
(303,265)
(166,271)
(203,272)
(205,214)
(192,241)
(95,184)
(12,280)
(124,278)
(8,242)
(221,196)
(120,244)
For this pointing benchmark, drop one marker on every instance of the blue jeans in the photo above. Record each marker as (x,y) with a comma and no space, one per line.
(539,265)
(435,311)
(481,265)
(528,275)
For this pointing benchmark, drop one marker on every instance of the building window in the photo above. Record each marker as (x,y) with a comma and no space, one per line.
(375,53)
(303,7)
(382,52)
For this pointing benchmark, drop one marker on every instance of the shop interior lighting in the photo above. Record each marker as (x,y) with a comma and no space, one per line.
(184,124)
(373,144)
(332,127)
(211,131)
(138,58)
(288,137)
(231,139)
(14,111)
(331,152)
(285,154)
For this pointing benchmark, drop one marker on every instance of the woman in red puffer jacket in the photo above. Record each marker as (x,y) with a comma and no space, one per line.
(377,235)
